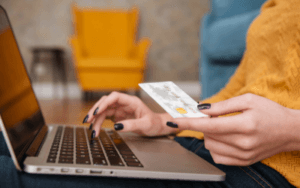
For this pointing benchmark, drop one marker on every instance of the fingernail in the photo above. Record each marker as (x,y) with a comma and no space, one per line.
(95,112)
(85,119)
(91,126)
(118,126)
(171,124)
(204,106)
(93,134)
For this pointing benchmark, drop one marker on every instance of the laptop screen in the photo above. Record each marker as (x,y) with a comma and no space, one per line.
(19,108)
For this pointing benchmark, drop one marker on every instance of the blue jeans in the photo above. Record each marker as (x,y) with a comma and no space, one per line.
(256,175)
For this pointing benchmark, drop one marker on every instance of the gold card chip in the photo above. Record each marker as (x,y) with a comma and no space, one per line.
(181,110)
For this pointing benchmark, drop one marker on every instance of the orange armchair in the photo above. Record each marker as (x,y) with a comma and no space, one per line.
(106,54)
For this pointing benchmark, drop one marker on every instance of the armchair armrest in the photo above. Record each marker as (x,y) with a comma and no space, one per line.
(76,52)
(141,49)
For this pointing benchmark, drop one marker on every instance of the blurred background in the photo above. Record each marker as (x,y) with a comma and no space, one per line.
(77,50)
(171,25)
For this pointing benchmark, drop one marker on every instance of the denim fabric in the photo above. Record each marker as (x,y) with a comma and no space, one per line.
(257,175)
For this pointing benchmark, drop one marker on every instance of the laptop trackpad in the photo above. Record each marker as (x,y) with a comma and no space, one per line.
(155,145)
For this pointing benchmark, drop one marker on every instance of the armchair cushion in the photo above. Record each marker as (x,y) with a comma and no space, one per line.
(110,63)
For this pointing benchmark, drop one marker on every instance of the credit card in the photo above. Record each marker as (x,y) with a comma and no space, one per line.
(172,99)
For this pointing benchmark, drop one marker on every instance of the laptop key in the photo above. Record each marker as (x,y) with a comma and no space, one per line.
(109,148)
(66,153)
(122,147)
(111,151)
(67,150)
(52,156)
(82,152)
(67,144)
(126,152)
(96,143)
(98,156)
(134,164)
(131,160)
(66,157)
(65,161)
(51,160)
(83,156)
(78,145)
(53,152)
(99,161)
(115,161)
(97,152)
(81,149)
(129,156)
(83,161)
(95,147)
(66,147)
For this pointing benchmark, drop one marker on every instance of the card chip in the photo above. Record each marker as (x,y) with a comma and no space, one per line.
(181,110)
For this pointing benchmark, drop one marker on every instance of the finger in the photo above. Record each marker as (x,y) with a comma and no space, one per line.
(241,141)
(116,98)
(107,101)
(92,110)
(227,150)
(98,122)
(139,126)
(225,160)
(235,104)
(219,125)
(129,125)
(107,114)
(91,125)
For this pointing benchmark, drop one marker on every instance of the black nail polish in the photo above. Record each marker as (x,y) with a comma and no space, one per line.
(204,106)
(91,126)
(118,126)
(85,119)
(93,134)
(95,112)
(171,124)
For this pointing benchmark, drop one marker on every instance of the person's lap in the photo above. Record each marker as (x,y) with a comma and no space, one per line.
(257,175)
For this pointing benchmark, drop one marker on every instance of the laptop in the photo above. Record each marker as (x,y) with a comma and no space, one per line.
(38,148)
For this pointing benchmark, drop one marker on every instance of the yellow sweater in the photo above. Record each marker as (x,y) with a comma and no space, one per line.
(270,68)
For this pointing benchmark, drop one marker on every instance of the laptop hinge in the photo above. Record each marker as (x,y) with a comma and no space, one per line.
(36,145)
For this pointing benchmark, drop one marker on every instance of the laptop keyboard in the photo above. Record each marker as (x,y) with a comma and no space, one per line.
(107,149)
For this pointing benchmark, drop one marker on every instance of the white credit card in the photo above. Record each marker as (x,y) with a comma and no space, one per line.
(172,99)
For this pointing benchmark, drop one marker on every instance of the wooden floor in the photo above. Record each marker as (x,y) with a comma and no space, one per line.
(69,111)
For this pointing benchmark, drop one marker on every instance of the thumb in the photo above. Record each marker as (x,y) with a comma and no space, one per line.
(235,104)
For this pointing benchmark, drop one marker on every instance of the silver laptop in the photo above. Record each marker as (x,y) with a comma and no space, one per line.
(38,148)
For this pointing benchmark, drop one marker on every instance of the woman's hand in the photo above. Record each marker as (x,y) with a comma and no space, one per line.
(263,129)
(130,113)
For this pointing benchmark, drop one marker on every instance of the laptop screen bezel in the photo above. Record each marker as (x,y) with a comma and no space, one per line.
(9,145)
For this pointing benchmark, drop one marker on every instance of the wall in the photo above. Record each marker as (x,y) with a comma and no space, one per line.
(172,25)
